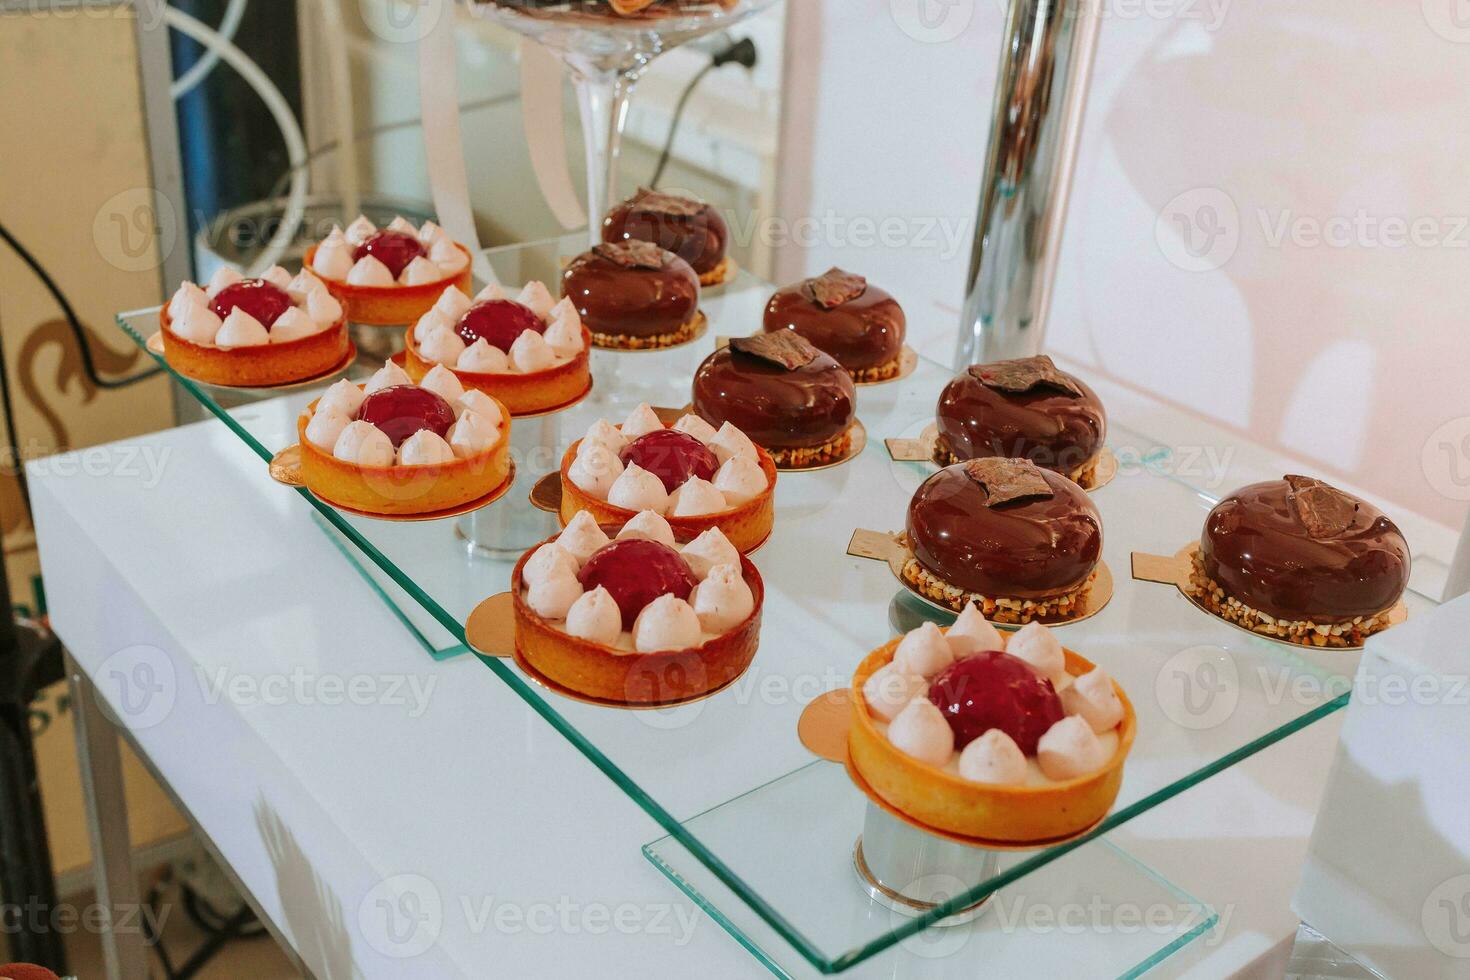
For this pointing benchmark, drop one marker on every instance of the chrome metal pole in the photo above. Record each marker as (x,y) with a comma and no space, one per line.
(1040,100)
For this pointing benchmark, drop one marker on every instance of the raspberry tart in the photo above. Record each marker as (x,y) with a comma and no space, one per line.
(389,276)
(691,229)
(390,447)
(843,315)
(693,475)
(1018,541)
(272,330)
(530,352)
(1299,560)
(1026,408)
(792,400)
(634,295)
(1013,741)
(633,615)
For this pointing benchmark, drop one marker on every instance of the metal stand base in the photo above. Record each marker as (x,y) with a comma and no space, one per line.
(910,872)
(511,525)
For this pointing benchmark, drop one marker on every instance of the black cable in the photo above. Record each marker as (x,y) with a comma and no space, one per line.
(88,366)
(740,52)
(16,463)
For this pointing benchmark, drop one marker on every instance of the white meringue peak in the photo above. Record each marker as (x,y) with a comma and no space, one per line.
(325,428)
(302,285)
(642,421)
(448,257)
(637,489)
(187,295)
(323,307)
(582,536)
(360,230)
(344,398)
(1069,749)
(553,596)
(491,292)
(430,233)
(920,731)
(402,224)
(695,498)
(723,600)
(594,470)
(364,444)
(740,479)
(442,382)
(666,623)
(888,691)
(564,337)
(730,441)
(606,433)
(595,617)
(472,434)
(387,376)
(277,277)
(198,324)
(424,448)
(223,276)
(923,651)
(695,426)
(332,259)
(711,548)
(475,400)
(369,271)
(240,329)
(994,759)
(420,272)
(530,353)
(649,526)
(453,303)
(972,633)
(547,560)
(293,325)
(1040,648)
(536,298)
(434,319)
(1093,697)
(482,357)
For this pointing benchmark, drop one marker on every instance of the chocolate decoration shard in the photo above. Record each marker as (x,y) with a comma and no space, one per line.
(667,205)
(632,254)
(1004,480)
(835,287)
(784,349)
(1324,510)
(1023,374)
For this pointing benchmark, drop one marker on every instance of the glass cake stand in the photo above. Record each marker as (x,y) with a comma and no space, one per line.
(757,833)
(607,53)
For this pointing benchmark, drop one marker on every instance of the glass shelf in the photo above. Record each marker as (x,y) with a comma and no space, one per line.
(1207,695)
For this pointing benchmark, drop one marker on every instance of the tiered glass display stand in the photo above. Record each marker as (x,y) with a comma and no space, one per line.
(758,834)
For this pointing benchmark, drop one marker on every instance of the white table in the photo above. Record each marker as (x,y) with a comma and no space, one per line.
(213,574)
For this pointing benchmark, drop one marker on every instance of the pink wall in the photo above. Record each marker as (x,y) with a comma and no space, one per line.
(1315,154)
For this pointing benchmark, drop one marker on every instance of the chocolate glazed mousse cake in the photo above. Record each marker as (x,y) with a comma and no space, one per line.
(634,295)
(1026,408)
(690,229)
(1018,541)
(842,314)
(792,400)
(1301,560)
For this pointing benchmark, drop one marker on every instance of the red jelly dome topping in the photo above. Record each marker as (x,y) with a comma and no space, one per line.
(671,456)
(635,572)
(395,249)
(996,690)
(261,299)
(402,410)
(498,322)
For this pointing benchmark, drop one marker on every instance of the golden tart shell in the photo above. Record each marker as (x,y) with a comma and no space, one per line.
(255,367)
(521,394)
(391,306)
(1006,814)
(747,525)
(602,673)
(403,490)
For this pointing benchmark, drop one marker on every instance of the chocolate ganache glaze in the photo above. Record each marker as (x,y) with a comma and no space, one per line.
(841,313)
(808,403)
(690,229)
(633,289)
(1298,549)
(1040,542)
(1026,408)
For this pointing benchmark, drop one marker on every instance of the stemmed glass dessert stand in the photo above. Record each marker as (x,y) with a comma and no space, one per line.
(760,835)
(607,52)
